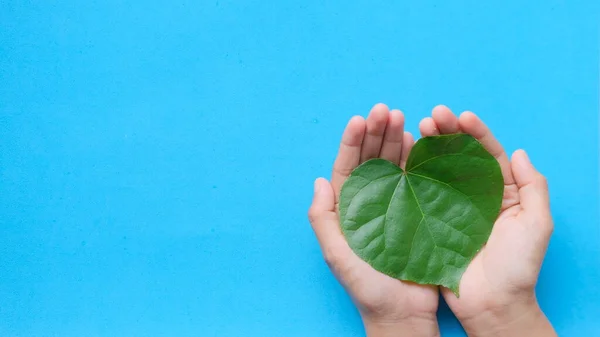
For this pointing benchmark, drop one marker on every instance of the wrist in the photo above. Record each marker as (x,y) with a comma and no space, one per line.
(409,327)
(516,319)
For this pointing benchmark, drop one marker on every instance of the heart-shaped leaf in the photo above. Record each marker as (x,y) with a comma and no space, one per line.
(427,223)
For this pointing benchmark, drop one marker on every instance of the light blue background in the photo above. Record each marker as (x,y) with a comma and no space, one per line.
(157,158)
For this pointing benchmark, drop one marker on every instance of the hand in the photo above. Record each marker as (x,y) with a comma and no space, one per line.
(497,296)
(389,307)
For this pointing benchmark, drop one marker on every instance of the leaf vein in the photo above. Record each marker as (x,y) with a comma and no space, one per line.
(420,222)
(385,221)
(454,229)
(369,183)
(413,241)
(453,188)
(368,223)
(436,157)
(451,250)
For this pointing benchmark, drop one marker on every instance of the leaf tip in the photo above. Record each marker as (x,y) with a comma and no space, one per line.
(455,289)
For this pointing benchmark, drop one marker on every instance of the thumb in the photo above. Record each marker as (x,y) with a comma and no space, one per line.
(325,223)
(533,186)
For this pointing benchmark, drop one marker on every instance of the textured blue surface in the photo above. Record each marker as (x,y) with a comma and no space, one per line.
(157,158)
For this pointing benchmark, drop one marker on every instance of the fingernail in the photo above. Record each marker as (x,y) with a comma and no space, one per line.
(317,186)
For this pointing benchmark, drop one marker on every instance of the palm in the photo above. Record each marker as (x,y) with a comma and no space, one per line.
(507,264)
(494,268)
(381,135)
(377,292)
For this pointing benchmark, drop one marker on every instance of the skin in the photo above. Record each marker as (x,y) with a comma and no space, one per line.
(497,289)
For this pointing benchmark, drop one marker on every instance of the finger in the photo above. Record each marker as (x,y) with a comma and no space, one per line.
(325,223)
(348,156)
(445,120)
(392,140)
(471,124)
(407,143)
(376,124)
(427,127)
(533,187)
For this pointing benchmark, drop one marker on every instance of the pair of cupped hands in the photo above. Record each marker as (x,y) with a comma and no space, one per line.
(497,295)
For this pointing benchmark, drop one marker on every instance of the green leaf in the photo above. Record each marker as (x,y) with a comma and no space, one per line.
(427,223)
